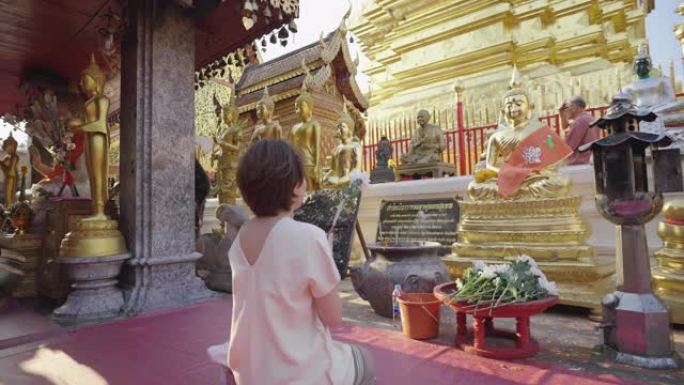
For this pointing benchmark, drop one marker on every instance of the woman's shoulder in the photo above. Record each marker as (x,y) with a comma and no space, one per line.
(302,229)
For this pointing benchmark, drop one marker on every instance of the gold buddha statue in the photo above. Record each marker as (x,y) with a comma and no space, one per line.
(306,137)
(520,205)
(9,169)
(227,140)
(266,127)
(97,234)
(347,156)
(519,121)
(427,142)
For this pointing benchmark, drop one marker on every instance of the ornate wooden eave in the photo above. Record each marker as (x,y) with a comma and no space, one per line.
(284,75)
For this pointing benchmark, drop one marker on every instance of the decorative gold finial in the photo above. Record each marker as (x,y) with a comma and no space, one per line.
(516,86)
(516,78)
(266,100)
(93,70)
(345,117)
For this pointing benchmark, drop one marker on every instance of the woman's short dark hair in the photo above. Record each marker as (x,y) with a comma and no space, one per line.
(267,175)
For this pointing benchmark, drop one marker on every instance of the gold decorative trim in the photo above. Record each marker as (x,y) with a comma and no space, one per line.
(517,209)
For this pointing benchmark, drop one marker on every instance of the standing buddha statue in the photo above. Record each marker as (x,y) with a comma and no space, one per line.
(347,156)
(516,142)
(97,234)
(227,140)
(306,137)
(9,169)
(266,127)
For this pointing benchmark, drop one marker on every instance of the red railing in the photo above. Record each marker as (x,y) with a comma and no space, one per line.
(463,145)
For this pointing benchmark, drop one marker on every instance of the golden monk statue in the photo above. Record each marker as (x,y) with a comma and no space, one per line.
(227,153)
(427,142)
(9,169)
(519,122)
(266,127)
(347,156)
(96,235)
(306,137)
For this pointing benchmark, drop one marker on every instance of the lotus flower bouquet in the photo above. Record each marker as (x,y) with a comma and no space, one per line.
(486,286)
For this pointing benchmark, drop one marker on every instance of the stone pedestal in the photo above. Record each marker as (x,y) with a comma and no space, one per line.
(95,296)
(427,170)
(29,247)
(382,175)
(60,216)
(549,230)
(157,150)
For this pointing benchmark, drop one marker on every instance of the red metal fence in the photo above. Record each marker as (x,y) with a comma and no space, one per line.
(464,144)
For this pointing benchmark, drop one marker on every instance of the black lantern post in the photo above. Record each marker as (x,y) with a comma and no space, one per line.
(636,323)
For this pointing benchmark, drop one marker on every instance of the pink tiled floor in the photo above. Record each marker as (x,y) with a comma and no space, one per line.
(170,348)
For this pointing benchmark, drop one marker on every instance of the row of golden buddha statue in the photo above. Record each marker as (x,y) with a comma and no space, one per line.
(305,135)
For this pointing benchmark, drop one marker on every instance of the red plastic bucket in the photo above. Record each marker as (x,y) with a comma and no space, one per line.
(419,315)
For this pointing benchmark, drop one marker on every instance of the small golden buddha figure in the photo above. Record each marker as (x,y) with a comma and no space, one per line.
(266,127)
(518,123)
(306,137)
(227,140)
(9,169)
(347,156)
(427,142)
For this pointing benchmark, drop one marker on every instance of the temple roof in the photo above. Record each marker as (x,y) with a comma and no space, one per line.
(57,37)
(285,75)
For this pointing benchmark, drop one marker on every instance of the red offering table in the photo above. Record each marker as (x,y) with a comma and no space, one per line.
(473,341)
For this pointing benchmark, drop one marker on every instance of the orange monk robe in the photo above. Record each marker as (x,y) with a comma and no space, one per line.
(542,149)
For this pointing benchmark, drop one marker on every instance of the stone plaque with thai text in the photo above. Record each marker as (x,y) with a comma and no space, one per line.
(432,220)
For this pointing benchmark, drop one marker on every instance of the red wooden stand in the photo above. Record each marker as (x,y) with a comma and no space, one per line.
(473,341)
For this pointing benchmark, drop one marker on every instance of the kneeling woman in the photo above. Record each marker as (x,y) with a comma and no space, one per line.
(285,295)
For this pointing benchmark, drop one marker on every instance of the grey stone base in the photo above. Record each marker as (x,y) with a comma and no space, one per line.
(382,175)
(95,296)
(219,281)
(163,282)
(670,362)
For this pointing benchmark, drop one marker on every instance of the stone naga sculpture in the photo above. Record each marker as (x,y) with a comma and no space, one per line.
(214,266)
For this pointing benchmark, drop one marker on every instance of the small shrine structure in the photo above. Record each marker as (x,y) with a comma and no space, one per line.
(332,69)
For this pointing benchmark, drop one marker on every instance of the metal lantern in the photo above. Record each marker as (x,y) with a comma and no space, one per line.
(636,325)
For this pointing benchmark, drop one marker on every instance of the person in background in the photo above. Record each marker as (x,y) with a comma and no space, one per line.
(575,121)
(202,188)
(285,297)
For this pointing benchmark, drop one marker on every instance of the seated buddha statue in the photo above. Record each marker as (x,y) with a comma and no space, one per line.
(427,142)
(266,127)
(306,137)
(346,157)
(654,93)
(520,156)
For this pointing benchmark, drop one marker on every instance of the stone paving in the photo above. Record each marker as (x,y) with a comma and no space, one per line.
(565,334)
